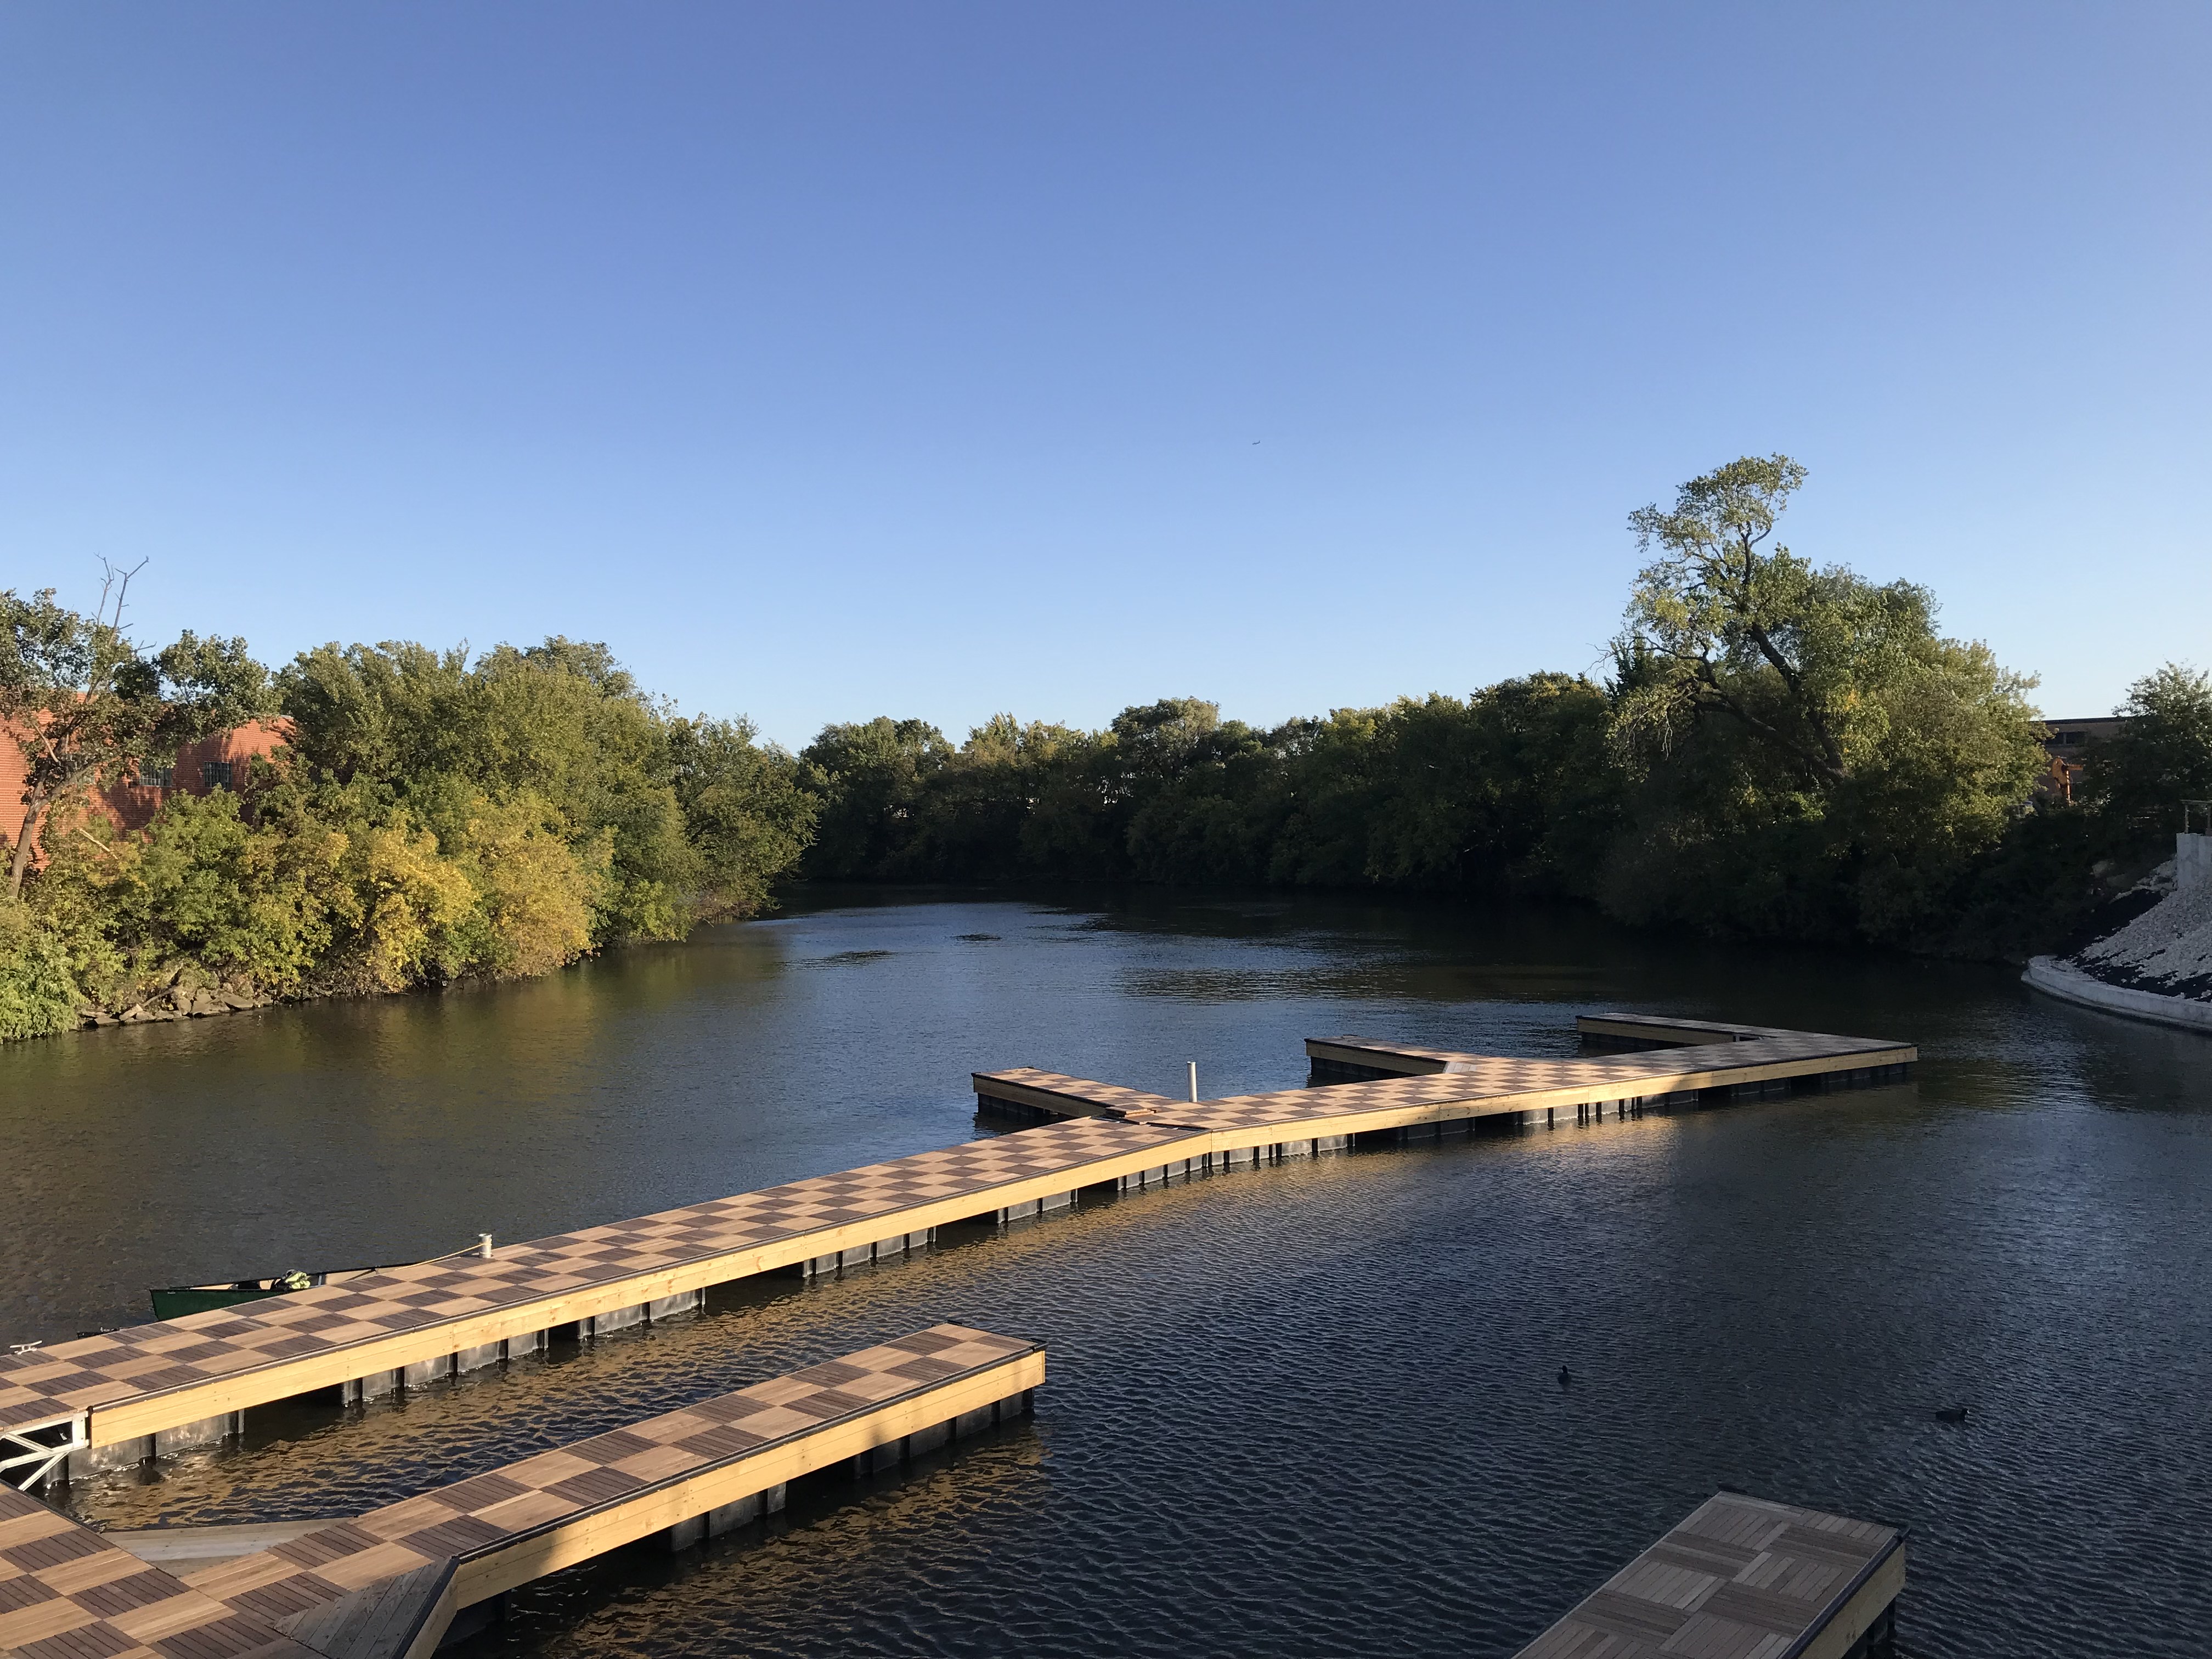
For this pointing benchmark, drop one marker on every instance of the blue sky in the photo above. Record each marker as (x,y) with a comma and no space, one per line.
(838,360)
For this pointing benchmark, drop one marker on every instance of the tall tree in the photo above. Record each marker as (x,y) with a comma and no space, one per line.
(82,700)
(2161,757)
(1811,756)
(1718,625)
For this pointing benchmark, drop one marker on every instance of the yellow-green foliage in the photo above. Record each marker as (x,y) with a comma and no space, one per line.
(402,898)
(534,893)
(432,819)
(39,993)
(203,886)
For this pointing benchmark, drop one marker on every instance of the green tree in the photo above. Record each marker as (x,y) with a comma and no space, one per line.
(666,819)
(40,995)
(871,777)
(1718,628)
(1335,776)
(971,813)
(747,814)
(537,891)
(1191,792)
(206,887)
(2140,776)
(1809,756)
(1512,788)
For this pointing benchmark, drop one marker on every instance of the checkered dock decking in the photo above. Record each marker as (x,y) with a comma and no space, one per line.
(1414,1061)
(1741,1579)
(1482,1084)
(287,1344)
(67,1592)
(486,1514)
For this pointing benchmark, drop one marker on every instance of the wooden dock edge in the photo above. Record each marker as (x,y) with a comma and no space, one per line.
(408,1614)
(403,1618)
(1383,1062)
(1668,1033)
(392,1582)
(1011,1097)
(1727,1578)
(1864,1604)
(150,1414)
(1648,1088)
(175,1547)
(137,1418)
(658,1509)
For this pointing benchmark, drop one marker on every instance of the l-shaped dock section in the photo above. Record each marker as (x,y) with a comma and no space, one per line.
(388,1584)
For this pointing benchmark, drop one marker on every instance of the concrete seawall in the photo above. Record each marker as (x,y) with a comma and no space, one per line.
(2056,978)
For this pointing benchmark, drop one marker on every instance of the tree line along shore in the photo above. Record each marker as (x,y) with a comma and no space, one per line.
(1778,750)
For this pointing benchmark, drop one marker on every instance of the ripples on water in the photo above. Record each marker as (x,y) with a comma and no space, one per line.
(1307,1410)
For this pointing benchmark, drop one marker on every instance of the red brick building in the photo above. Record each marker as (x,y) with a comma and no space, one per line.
(215,763)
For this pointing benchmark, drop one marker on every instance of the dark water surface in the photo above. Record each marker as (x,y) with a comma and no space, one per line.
(1303,1411)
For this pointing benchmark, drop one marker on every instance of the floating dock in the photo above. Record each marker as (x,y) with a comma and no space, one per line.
(388,1584)
(1379,1085)
(126,1395)
(1743,1578)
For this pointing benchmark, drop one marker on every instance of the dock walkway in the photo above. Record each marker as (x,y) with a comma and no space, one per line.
(145,1391)
(387,1584)
(148,1380)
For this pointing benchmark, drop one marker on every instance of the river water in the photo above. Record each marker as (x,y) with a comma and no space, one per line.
(1309,1410)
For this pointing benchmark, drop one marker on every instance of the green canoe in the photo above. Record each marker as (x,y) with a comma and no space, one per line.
(178,1300)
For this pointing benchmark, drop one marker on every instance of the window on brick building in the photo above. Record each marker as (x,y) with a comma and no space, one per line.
(156,777)
(216,774)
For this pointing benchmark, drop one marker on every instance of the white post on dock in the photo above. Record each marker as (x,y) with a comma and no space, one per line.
(484,1245)
(1194,1083)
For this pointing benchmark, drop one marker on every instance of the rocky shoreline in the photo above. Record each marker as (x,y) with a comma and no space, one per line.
(177,1001)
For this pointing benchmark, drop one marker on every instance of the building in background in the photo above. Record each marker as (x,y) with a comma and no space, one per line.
(2069,745)
(217,762)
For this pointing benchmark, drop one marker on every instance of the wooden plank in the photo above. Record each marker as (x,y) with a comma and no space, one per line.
(66,1592)
(1661,1028)
(1513,1085)
(169,1545)
(1070,1096)
(497,1572)
(1405,1061)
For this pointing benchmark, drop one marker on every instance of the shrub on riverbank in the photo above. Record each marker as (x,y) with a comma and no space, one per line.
(430,818)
